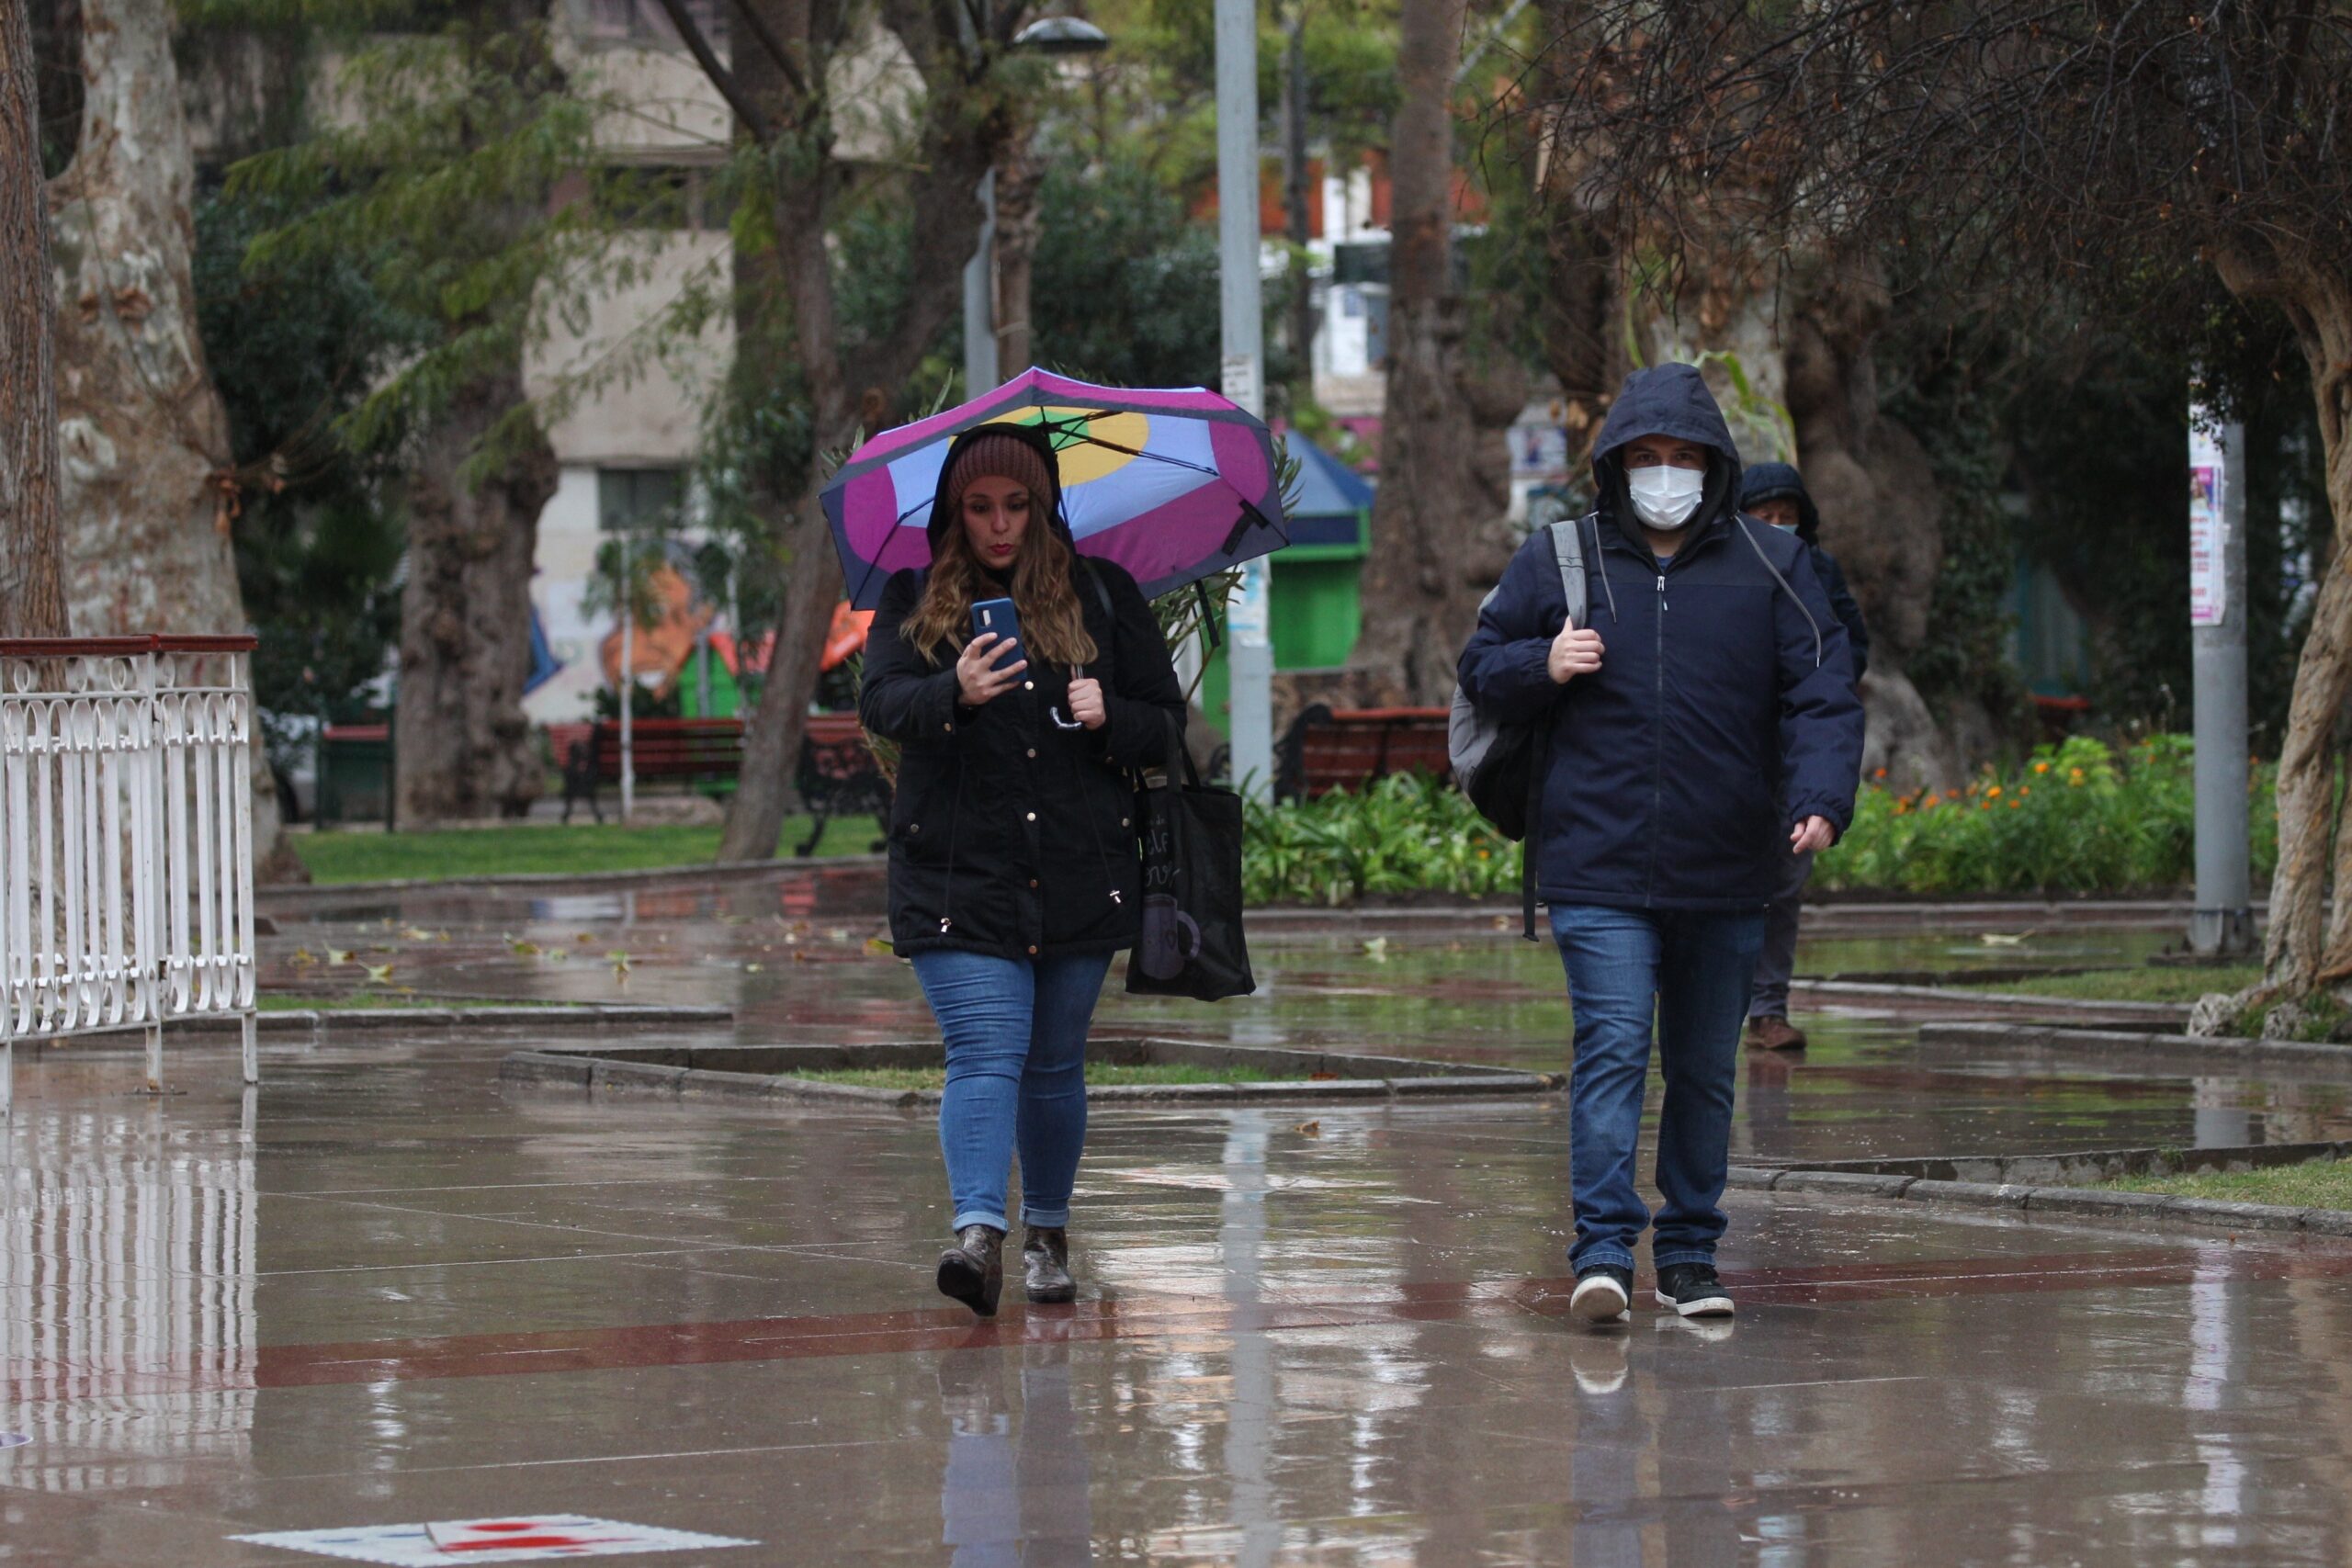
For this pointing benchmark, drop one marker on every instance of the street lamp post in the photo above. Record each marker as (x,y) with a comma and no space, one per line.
(1250,657)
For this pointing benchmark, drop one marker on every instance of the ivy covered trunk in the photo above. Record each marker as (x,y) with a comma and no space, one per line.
(2308,949)
(462,746)
(1439,534)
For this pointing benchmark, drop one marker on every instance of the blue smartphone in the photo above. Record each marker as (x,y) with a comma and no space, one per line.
(998,616)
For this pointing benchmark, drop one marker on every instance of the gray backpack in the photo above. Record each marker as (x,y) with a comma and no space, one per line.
(1499,764)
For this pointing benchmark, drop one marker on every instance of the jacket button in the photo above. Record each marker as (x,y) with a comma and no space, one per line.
(1033,750)
(1029,686)
(1033,816)
(1123,821)
(949,728)
(1032,949)
(1033,882)
(914,827)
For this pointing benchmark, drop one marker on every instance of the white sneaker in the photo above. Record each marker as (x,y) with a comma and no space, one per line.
(1602,1293)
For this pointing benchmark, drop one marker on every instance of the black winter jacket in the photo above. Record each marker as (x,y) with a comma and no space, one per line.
(1774,481)
(1009,834)
(1723,683)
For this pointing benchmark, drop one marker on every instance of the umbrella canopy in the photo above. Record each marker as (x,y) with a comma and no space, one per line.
(1171,485)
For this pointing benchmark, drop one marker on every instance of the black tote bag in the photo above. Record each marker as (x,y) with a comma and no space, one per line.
(1191,943)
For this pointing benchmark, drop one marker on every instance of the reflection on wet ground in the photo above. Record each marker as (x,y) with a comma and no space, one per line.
(380,1292)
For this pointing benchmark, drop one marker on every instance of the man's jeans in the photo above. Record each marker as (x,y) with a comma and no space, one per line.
(1769,998)
(1692,970)
(1016,1073)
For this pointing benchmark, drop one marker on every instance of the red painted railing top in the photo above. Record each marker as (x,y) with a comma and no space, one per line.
(123,647)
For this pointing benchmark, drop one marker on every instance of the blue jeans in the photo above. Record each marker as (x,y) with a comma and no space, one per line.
(1016,1075)
(1691,969)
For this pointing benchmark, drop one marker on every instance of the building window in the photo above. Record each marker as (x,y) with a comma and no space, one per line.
(643,22)
(639,501)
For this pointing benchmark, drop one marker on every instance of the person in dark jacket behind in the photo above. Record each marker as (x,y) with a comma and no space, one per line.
(1775,493)
(1014,870)
(1702,725)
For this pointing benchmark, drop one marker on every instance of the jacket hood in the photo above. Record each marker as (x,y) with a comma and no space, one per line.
(1781,481)
(1029,434)
(1671,400)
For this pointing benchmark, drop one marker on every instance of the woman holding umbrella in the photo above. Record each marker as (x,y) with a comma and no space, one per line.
(1014,870)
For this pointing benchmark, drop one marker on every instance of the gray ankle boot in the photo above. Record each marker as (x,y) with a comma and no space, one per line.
(1045,1258)
(972,1271)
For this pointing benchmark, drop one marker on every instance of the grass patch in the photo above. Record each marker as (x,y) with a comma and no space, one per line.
(1102,1074)
(364,1001)
(2314,1184)
(584,848)
(2148,983)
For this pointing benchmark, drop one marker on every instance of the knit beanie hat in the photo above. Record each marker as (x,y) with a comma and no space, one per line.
(1005,457)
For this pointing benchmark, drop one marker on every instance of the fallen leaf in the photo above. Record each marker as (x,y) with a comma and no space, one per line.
(879,946)
(753,968)
(1310,1129)
(338,955)
(1323,1077)
(1377,949)
(586,937)
(417,933)
(525,949)
(378,974)
(303,958)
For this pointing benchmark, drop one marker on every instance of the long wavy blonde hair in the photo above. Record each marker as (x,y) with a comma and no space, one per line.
(1044,593)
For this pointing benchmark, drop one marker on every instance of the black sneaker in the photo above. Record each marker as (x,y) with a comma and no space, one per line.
(1692,1290)
(1601,1294)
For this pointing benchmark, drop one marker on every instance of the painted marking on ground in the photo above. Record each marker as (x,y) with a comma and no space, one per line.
(510,1537)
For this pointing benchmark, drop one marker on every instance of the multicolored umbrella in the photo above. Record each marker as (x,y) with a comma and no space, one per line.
(1173,485)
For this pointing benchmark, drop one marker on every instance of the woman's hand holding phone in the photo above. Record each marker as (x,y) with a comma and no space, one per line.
(980,679)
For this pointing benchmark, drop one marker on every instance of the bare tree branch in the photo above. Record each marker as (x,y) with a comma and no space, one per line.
(754,118)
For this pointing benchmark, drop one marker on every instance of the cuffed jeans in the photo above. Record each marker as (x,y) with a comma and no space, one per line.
(1769,998)
(1016,1076)
(1691,971)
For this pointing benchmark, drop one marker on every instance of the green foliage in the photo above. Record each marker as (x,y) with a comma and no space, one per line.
(318,538)
(579,849)
(1404,834)
(1125,290)
(2314,1184)
(2074,818)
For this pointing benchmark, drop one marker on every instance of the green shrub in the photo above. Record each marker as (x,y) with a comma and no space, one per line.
(2074,818)
(1406,833)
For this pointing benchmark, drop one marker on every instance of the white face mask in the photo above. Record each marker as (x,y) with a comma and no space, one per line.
(1665,497)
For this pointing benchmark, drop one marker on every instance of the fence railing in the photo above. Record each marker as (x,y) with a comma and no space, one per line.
(126,838)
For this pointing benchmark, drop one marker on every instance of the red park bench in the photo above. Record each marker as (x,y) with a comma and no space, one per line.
(837,776)
(1327,749)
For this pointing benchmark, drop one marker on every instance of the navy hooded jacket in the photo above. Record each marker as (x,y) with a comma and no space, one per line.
(1781,481)
(1724,687)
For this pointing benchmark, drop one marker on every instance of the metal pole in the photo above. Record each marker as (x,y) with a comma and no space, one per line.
(1249,656)
(2223,921)
(626,687)
(979,301)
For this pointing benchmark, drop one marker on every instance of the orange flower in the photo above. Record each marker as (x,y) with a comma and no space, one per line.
(2025,789)
(1992,794)
(2041,767)
(2015,804)
(1879,774)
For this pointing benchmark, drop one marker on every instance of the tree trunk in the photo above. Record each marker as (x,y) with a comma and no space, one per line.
(32,560)
(461,743)
(804,544)
(1439,534)
(1881,511)
(1296,217)
(145,490)
(2307,949)
(1019,178)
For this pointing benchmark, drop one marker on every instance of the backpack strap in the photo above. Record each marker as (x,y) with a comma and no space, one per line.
(1101,593)
(1568,554)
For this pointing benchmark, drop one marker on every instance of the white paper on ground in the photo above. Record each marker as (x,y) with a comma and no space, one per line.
(506,1538)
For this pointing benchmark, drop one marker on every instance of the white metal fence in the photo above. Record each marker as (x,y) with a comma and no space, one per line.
(126,838)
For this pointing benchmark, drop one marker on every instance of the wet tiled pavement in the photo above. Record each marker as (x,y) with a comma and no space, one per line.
(382,1291)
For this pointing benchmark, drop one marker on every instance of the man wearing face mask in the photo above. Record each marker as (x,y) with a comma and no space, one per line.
(1775,493)
(1703,728)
